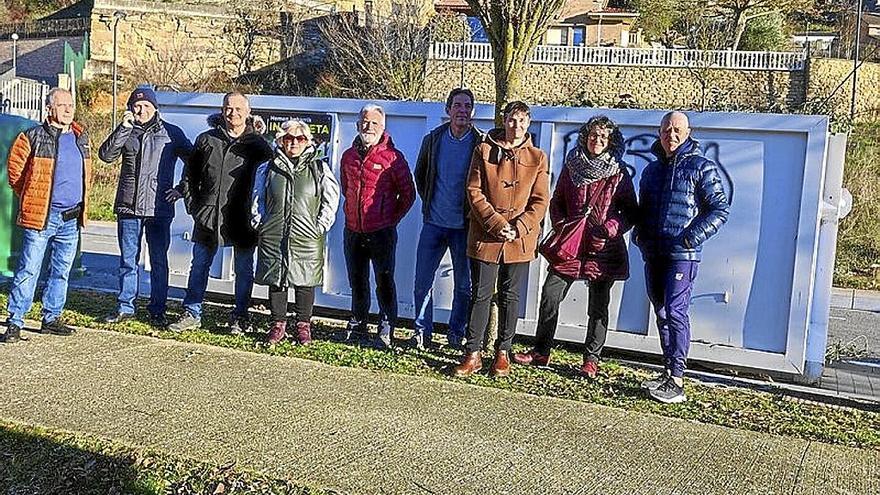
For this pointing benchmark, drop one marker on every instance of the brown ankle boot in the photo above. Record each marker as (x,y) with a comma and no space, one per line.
(500,365)
(470,364)
(304,332)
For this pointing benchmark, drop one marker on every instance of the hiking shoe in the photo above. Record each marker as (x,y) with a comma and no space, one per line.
(56,327)
(656,381)
(158,321)
(13,334)
(668,392)
(304,332)
(277,333)
(383,340)
(590,369)
(238,325)
(532,357)
(117,317)
(187,322)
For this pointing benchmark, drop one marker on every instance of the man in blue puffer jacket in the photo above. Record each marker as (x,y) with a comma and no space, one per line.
(683,204)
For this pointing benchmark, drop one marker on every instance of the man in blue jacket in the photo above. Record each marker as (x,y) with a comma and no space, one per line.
(145,198)
(683,204)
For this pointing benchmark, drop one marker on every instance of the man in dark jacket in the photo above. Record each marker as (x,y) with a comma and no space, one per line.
(441,172)
(378,190)
(145,198)
(682,203)
(218,183)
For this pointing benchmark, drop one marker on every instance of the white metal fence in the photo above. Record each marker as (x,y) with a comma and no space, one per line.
(635,57)
(23,97)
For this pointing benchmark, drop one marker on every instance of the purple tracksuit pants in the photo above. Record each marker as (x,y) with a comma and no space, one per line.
(669,289)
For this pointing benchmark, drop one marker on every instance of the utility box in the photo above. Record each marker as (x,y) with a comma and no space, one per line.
(10,236)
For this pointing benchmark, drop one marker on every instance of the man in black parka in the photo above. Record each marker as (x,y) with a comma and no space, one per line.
(219,178)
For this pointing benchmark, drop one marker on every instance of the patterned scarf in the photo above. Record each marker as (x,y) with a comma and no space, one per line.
(584,169)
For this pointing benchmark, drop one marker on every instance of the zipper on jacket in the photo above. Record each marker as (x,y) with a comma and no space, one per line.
(52,183)
(137,174)
(360,190)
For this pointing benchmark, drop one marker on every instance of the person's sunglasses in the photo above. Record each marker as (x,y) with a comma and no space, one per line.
(301,138)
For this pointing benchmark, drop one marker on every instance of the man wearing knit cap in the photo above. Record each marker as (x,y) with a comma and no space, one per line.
(145,198)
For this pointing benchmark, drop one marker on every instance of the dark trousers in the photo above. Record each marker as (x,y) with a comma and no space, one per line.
(303,302)
(555,289)
(361,250)
(669,288)
(484,278)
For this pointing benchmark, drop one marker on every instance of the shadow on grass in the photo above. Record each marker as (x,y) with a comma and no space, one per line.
(32,463)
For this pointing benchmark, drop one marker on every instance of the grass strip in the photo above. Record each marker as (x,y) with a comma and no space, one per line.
(617,385)
(49,461)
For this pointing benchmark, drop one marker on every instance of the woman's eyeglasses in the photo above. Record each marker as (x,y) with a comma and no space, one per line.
(300,138)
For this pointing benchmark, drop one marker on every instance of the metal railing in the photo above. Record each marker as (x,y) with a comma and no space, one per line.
(635,57)
(23,97)
(46,28)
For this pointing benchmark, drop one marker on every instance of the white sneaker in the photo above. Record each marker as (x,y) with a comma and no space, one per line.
(384,334)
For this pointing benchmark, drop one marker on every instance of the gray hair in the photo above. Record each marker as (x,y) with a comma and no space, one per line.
(230,94)
(50,96)
(372,107)
(291,125)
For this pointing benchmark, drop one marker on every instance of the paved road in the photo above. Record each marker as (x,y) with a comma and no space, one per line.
(368,432)
(858,333)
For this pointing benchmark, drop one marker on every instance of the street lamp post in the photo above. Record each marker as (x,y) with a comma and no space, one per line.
(464,35)
(117,16)
(852,105)
(14,54)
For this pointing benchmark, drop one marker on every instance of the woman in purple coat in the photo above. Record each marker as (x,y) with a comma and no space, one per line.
(593,205)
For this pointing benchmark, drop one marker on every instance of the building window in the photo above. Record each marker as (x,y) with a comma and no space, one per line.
(478,34)
(579,36)
(557,36)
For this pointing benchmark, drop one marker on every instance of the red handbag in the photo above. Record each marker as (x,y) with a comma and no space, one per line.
(564,243)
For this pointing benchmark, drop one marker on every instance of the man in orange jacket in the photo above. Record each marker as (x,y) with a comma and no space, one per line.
(49,168)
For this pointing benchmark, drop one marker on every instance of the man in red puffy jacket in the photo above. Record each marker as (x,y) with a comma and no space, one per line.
(378,189)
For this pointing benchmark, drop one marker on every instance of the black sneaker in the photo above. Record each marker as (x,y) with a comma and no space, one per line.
(655,382)
(159,321)
(668,392)
(12,335)
(56,327)
(355,332)
(117,317)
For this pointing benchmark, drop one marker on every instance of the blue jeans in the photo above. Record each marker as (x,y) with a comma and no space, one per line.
(64,239)
(203,257)
(669,288)
(433,243)
(128,232)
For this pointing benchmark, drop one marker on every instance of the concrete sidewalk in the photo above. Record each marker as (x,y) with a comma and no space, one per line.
(367,432)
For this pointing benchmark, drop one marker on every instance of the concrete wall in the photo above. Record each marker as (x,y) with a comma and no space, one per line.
(651,87)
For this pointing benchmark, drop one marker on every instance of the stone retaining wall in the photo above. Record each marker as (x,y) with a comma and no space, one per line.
(649,87)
